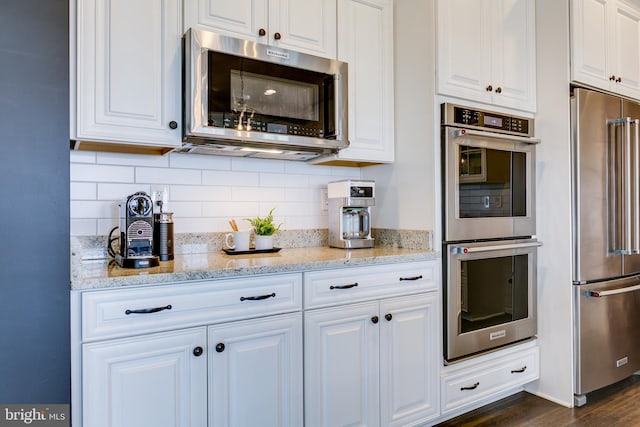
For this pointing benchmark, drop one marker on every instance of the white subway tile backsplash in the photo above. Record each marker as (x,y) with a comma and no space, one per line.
(82,227)
(230,210)
(199,193)
(241,164)
(128,160)
(283,180)
(93,209)
(199,161)
(247,194)
(118,192)
(82,156)
(204,192)
(101,173)
(185,209)
(230,178)
(83,191)
(168,176)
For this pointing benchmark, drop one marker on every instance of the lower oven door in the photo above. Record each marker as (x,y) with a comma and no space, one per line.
(490,295)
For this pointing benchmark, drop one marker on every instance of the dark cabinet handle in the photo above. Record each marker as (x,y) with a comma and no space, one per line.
(489,88)
(612,77)
(498,89)
(374,319)
(220,347)
(173,124)
(411,278)
(352,285)
(388,316)
(148,310)
(471,387)
(277,36)
(198,351)
(519,371)
(262,32)
(258,297)
(619,79)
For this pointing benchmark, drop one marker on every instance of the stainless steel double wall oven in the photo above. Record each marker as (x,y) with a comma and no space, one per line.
(489,244)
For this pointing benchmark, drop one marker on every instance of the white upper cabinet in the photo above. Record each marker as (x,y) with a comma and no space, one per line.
(125,87)
(365,42)
(605,45)
(486,51)
(302,25)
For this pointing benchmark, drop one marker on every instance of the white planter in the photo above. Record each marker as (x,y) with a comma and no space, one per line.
(263,242)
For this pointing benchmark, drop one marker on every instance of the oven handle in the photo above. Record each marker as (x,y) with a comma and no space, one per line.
(470,250)
(471,132)
(599,294)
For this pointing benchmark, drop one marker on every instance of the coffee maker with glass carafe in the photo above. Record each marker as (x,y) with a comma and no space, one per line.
(350,203)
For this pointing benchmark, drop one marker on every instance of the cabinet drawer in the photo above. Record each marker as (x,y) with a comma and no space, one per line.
(465,386)
(121,312)
(346,285)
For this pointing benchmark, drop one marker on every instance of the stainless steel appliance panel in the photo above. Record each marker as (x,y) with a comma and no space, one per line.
(593,258)
(491,295)
(505,206)
(606,332)
(631,263)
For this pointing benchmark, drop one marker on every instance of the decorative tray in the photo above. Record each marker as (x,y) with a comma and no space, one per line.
(251,251)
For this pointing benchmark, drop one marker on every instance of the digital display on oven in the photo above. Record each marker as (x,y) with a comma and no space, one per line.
(492,121)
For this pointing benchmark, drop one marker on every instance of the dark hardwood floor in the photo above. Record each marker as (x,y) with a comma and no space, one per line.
(613,406)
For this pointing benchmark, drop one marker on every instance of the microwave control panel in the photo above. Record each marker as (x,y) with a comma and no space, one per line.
(469,117)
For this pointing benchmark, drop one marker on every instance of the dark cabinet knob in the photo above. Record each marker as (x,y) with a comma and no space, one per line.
(262,32)
(388,316)
(173,124)
(612,77)
(489,88)
(198,351)
(618,80)
(277,36)
(498,89)
(374,319)
(220,347)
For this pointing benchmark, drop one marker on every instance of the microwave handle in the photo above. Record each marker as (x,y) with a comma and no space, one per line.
(475,249)
(483,134)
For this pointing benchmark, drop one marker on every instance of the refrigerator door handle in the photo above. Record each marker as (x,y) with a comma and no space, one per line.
(599,294)
(624,183)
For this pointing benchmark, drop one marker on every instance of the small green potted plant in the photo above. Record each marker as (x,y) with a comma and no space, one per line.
(264,228)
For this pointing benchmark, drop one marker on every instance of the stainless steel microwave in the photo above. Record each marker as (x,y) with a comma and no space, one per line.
(242,98)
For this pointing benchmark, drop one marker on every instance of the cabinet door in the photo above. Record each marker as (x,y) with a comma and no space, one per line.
(409,359)
(625,52)
(255,372)
(303,25)
(464,49)
(341,364)
(514,54)
(590,41)
(361,25)
(156,380)
(128,72)
(239,18)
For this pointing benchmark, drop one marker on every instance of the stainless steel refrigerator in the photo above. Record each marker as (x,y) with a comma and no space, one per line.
(606,239)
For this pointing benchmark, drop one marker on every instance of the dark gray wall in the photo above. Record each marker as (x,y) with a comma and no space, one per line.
(34,201)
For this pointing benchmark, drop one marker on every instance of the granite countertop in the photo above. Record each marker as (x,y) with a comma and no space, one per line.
(102,273)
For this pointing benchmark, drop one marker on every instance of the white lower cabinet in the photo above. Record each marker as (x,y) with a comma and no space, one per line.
(372,363)
(468,384)
(156,380)
(255,372)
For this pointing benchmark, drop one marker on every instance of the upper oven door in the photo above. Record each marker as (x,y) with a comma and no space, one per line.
(488,186)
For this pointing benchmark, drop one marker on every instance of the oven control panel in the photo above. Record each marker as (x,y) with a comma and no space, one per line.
(470,117)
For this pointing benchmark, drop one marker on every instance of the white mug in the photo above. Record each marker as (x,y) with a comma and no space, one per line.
(240,240)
